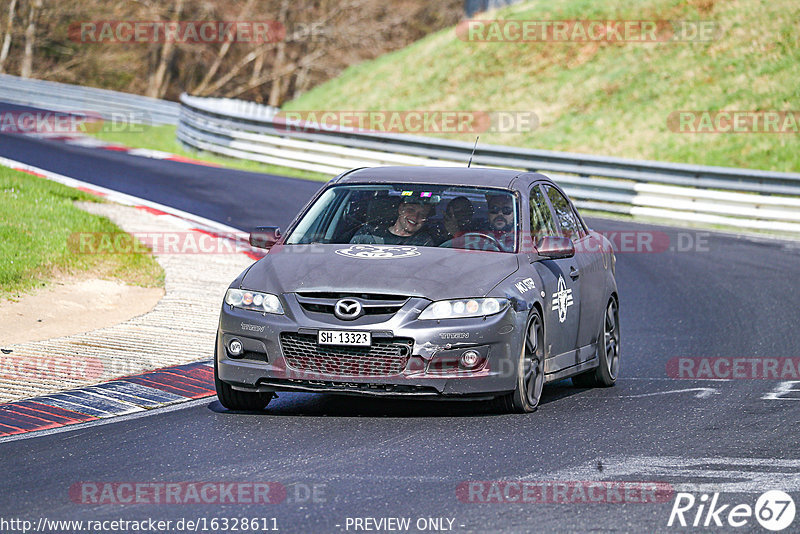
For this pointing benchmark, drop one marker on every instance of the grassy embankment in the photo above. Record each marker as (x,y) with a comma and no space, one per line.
(595,98)
(602,98)
(37,219)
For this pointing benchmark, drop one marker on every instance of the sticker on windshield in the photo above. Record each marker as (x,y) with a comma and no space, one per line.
(562,299)
(378,252)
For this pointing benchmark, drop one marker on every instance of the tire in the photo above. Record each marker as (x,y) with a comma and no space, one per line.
(530,370)
(605,374)
(238,400)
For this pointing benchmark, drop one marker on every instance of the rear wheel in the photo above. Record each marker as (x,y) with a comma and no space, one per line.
(605,374)
(238,400)
(530,371)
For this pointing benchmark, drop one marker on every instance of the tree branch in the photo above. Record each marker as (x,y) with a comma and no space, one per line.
(7,39)
(223,51)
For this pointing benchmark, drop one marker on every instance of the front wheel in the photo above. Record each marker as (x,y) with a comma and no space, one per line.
(605,375)
(238,400)
(530,371)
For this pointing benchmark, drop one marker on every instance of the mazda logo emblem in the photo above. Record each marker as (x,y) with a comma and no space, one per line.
(348,309)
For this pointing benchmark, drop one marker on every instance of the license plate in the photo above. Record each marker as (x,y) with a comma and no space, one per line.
(340,337)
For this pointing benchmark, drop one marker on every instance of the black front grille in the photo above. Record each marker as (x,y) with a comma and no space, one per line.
(349,387)
(383,358)
(373,303)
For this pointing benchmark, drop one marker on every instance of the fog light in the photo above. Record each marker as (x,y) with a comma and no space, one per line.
(470,359)
(235,347)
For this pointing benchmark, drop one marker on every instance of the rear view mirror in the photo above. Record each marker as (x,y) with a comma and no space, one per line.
(556,247)
(265,236)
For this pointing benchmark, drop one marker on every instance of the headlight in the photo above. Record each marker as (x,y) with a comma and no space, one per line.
(454,309)
(252,300)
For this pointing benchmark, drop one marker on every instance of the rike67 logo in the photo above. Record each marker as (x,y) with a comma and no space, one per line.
(774,510)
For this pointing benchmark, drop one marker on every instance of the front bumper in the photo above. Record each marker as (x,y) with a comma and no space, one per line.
(432,349)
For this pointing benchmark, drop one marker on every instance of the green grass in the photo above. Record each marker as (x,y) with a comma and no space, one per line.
(163,138)
(38,228)
(609,98)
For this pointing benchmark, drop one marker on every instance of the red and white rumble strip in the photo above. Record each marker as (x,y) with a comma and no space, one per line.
(151,341)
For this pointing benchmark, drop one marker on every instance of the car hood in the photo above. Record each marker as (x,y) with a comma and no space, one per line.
(434,273)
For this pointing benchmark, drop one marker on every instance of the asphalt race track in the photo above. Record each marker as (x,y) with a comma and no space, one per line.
(341,458)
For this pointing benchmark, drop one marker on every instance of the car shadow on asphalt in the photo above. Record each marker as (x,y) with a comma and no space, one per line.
(339,405)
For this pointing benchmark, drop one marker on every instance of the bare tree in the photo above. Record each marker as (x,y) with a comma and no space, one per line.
(223,51)
(288,68)
(258,67)
(156,86)
(7,39)
(30,39)
(236,69)
(280,63)
(322,38)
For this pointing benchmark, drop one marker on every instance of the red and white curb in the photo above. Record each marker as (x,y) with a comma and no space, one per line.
(132,394)
(123,396)
(92,142)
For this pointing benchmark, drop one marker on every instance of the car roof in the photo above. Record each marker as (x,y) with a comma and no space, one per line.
(475,176)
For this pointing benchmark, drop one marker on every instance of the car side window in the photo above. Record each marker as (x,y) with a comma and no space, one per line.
(541,219)
(567,219)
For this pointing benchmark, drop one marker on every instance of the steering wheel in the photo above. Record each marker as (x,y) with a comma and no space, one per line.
(488,237)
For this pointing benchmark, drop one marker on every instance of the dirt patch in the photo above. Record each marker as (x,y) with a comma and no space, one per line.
(73,306)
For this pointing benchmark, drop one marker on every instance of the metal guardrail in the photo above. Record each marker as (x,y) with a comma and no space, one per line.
(111,105)
(743,198)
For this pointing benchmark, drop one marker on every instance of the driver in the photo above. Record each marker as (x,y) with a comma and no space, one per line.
(406,230)
(501,219)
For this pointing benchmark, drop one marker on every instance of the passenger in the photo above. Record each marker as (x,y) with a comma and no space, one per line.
(406,230)
(457,216)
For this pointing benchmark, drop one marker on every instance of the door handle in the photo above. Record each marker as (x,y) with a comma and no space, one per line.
(574,273)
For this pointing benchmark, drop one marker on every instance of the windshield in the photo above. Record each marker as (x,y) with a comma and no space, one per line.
(412,214)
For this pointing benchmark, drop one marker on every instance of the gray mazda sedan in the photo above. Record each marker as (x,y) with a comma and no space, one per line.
(423,282)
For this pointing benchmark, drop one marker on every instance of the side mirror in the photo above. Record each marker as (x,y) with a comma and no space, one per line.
(553,248)
(265,236)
